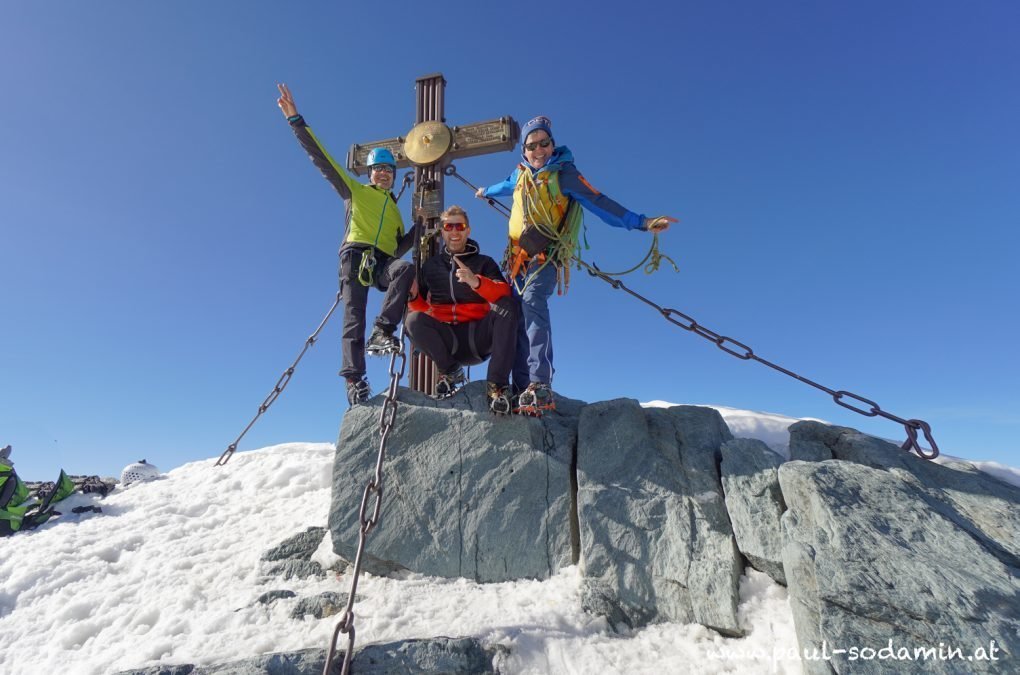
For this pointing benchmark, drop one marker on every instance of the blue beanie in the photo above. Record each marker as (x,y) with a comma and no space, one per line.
(539,123)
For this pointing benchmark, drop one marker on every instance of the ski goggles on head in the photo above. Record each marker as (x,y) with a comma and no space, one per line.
(454,227)
(382,167)
(544,143)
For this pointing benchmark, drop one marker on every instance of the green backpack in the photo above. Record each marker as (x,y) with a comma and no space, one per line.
(18,510)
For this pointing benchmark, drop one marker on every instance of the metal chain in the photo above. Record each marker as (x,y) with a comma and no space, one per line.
(745,353)
(284,380)
(387,417)
(500,207)
(408,179)
(281,384)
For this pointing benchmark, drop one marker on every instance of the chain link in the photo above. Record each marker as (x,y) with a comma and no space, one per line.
(387,418)
(688,323)
(281,384)
(408,179)
(747,354)
(284,380)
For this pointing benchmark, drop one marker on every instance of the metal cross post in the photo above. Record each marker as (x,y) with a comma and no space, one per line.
(430,146)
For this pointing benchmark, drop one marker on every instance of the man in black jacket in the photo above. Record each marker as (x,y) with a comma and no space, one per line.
(463,313)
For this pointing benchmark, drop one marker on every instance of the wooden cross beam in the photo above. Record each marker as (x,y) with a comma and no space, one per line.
(430,146)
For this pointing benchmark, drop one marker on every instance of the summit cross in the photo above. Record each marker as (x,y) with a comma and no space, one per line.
(431,146)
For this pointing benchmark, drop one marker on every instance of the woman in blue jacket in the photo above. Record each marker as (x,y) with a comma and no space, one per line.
(546,189)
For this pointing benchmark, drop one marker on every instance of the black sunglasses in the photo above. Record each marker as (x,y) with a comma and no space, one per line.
(544,143)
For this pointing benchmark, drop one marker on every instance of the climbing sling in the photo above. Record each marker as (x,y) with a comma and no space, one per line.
(552,225)
(366,268)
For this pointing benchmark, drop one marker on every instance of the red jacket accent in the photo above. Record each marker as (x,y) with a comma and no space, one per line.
(442,296)
(462,312)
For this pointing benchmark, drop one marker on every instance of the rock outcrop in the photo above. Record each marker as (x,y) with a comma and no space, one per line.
(632,495)
(893,563)
(656,544)
(886,550)
(467,494)
(293,558)
(754,502)
(660,508)
(437,656)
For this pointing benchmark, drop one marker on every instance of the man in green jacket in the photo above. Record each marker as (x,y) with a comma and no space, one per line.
(373,244)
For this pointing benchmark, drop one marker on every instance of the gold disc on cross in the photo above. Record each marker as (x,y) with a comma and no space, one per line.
(427,142)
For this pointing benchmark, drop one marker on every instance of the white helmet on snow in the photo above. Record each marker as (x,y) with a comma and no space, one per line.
(138,472)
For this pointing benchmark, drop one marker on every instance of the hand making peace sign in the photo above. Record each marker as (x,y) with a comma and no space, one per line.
(286,101)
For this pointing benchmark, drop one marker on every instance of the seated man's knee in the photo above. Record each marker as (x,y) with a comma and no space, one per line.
(413,322)
(507,308)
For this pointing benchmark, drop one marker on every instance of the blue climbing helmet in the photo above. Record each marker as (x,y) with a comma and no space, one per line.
(381,156)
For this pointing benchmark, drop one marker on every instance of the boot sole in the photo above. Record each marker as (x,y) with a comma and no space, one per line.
(443,397)
(383,351)
(502,408)
(534,410)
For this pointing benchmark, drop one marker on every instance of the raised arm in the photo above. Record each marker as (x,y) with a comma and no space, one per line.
(330,170)
(502,189)
(576,187)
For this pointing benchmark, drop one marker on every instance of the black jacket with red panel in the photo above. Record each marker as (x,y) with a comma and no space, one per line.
(443,296)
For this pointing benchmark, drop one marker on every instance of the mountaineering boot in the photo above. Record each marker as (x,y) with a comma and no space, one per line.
(448,383)
(535,400)
(358,390)
(499,398)
(382,342)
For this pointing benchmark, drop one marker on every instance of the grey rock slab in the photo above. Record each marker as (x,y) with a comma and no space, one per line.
(295,569)
(272,596)
(450,656)
(300,547)
(656,543)
(437,655)
(465,493)
(869,560)
(754,502)
(321,606)
(807,445)
(980,504)
(303,662)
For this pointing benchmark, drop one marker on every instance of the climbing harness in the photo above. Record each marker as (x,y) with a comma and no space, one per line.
(387,417)
(366,268)
(739,349)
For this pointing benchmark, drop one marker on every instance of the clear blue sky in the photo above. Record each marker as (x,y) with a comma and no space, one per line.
(845,175)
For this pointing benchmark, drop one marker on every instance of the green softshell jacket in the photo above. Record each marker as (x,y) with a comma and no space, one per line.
(373,217)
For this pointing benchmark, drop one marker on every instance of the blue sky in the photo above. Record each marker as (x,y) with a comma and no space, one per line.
(845,175)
